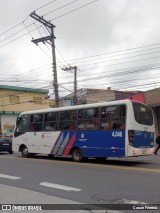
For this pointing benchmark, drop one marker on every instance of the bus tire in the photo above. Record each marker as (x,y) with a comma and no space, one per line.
(77,155)
(50,156)
(24,152)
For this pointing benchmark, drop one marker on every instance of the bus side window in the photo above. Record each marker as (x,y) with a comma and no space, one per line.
(73,121)
(80,121)
(113,117)
(88,119)
(64,118)
(36,122)
(96,123)
(104,121)
(118,118)
(50,121)
(68,120)
(32,125)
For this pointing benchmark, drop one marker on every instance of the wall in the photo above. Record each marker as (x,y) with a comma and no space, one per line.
(25,98)
(9,111)
(152,97)
(95,96)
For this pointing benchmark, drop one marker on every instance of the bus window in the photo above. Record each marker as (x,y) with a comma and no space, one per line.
(143,114)
(36,122)
(88,119)
(113,117)
(50,121)
(22,124)
(68,120)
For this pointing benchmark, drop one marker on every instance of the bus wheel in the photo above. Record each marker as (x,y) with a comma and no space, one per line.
(25,152)
(50,156)
(77,155)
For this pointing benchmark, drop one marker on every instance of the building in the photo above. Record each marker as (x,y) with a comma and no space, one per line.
(152,98)
(14,100)
(88,96)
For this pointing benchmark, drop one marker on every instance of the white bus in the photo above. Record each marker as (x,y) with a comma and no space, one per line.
(111,129)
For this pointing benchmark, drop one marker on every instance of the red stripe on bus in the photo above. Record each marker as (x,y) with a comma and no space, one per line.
(69,145)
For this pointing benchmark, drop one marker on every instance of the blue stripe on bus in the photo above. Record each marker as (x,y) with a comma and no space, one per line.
(143,139)
(97,143)
(101,143)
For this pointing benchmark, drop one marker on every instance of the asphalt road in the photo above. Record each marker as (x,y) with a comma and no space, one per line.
(115,181)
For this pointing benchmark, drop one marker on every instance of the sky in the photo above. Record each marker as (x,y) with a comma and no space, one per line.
(113,43)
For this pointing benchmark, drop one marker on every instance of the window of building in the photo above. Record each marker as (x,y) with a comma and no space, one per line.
(37,100)
(14,99)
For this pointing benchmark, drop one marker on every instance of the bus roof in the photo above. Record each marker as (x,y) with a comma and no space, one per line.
(94,105)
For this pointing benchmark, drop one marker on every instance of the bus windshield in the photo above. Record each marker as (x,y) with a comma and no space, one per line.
(143,114)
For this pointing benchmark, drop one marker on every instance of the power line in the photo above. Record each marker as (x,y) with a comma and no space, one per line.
(33,23)
(114,73)
(62,58)
(11,28)
(17,25)
(117,58)
(117,51)
(60,7)
(123,63)
(73,10)
(45,5)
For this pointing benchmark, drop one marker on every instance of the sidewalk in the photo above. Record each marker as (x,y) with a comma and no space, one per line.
(14,195)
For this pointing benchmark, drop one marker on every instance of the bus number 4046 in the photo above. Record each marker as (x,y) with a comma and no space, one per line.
(117,134)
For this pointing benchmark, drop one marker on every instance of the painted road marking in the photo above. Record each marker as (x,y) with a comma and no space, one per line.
(67,188)
(9,177)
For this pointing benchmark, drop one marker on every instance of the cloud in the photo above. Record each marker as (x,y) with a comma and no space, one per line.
(102,27)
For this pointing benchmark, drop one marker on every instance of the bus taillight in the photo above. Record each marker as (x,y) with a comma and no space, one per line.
(131,137)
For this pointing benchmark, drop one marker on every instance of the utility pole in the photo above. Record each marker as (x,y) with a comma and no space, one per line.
(50,28)
(75,82)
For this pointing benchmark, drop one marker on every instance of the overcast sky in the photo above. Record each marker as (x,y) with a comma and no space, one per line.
(114,43)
